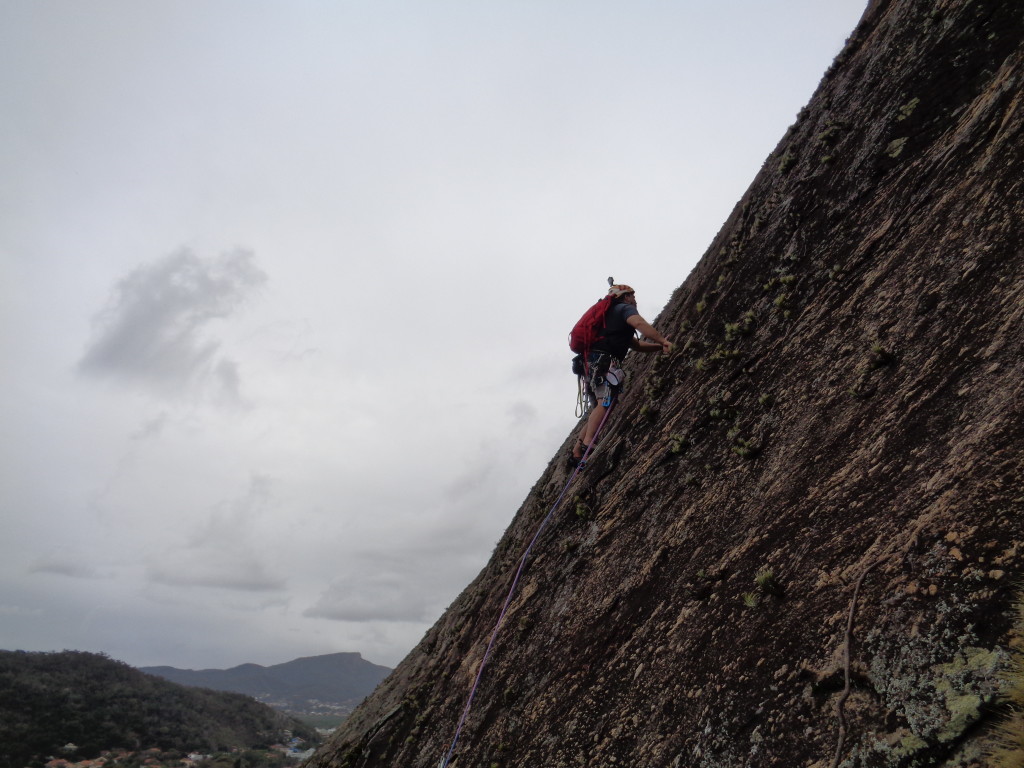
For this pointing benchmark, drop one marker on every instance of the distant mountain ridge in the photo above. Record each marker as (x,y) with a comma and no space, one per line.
(50,699)
(331,683)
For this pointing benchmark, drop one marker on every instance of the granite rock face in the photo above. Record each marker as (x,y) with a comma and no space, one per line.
(799,541)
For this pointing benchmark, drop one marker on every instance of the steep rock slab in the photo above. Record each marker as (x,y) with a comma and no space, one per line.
(844,410)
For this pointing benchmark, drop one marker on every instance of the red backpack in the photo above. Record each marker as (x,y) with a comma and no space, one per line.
(587,329)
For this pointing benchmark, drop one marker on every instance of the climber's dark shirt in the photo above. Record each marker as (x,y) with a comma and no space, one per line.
(617,333)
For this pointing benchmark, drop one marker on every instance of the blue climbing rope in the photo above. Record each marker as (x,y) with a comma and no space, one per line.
(515,581)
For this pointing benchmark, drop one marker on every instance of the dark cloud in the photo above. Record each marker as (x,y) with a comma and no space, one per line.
(220,551)
(375,597)
(522,414)
(226,373)
(411,582)
(477,479)
(157,330)
(227,526)
(18,610)
(219,572)
(150,429)
(65,566)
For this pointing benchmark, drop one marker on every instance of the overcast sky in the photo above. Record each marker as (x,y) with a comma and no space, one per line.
(285,288)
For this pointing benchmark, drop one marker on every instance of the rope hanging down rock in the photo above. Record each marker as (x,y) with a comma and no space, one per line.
(515,581)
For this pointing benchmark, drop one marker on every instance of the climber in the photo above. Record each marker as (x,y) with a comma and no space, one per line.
(605,353)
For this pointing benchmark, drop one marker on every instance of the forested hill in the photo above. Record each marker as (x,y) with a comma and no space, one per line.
(798,543)
(50,699)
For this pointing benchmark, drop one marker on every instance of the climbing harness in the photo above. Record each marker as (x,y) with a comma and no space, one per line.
(602,373)
(515,581)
